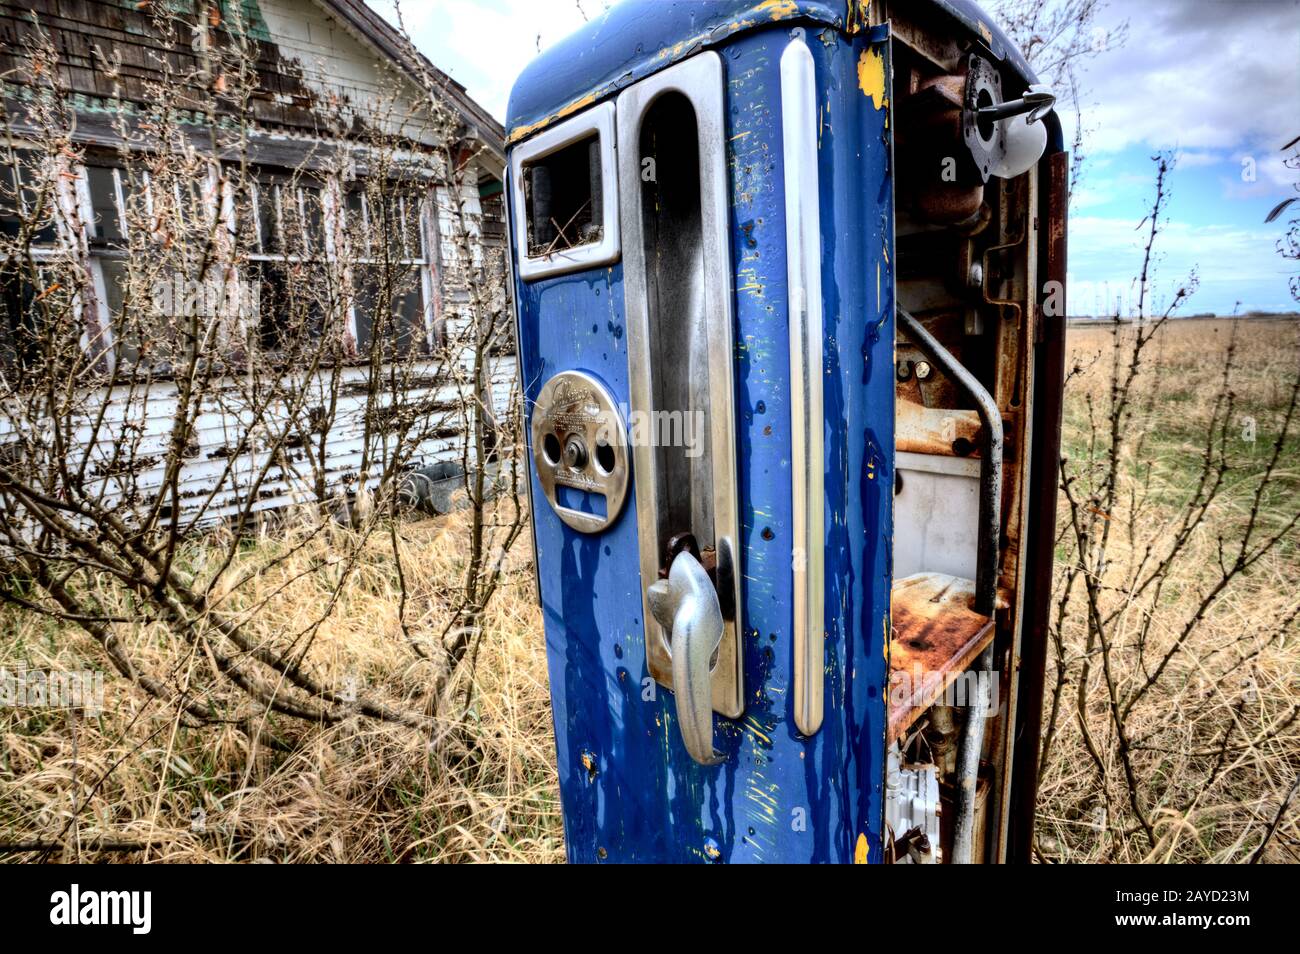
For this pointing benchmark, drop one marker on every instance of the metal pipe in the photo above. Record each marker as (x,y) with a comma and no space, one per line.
(968,762)
(986,572)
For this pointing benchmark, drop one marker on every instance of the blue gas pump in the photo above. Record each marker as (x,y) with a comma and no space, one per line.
(702,201)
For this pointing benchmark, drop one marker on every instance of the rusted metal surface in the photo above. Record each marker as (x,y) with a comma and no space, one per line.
(936,635)
(948,812)
(947,324)
(913,26)
(1049,377)
(930,127)
(936,430)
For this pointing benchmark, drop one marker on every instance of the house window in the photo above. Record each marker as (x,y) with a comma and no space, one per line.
(139,305)
(26,195)
(288,262)
(31,288)
(389,266)
(104,211)
(19,342)
(106,189)
(305,260)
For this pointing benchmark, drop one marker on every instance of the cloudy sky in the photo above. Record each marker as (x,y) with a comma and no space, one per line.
(1218,81)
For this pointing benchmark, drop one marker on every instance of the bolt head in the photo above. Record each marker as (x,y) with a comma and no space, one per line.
(575,453)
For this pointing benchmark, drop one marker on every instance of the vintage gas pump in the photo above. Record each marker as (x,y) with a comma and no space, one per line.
(702,204)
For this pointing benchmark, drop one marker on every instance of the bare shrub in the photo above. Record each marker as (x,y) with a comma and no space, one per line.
(200,484)
(1170,732)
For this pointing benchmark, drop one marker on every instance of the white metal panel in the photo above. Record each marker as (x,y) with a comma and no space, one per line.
(936,515)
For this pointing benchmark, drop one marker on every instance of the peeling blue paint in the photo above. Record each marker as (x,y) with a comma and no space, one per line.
(629,790)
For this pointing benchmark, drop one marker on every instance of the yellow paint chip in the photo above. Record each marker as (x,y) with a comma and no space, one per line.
(871,76)
(519,132)
(777,9)
(861,850)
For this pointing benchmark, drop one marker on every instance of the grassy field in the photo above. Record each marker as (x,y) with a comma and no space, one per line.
(1210,743)
(484,789)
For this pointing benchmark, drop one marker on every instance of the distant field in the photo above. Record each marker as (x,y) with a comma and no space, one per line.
(1215,747)
(1215,734)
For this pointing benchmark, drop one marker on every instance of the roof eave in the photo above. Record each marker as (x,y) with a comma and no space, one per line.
(377,33)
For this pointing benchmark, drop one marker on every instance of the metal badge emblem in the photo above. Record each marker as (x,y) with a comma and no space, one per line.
(580,443)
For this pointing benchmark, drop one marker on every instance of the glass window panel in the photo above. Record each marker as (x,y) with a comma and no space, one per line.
(26,193)
(313,222)
(144,326)
(196,207)
(114,273)
(397,225)
(289,302)
(108,219)
(354,224)
(267,218)
(11,209)
(389,302)
(17,320)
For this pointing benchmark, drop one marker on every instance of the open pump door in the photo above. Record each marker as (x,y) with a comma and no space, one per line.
(678,297)
(723,310)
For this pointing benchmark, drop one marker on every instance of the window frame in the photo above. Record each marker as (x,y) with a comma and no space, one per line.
(364,258)
(63,243)
(89,246)
(605,250)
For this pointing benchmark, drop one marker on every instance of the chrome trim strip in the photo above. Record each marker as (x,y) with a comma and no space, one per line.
(701,80)
(807,418)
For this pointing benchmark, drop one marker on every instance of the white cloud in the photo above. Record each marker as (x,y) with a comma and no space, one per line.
(1191,159)
(484,44)
(1202,75)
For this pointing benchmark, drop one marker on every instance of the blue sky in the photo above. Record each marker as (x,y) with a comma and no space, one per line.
(1218,81)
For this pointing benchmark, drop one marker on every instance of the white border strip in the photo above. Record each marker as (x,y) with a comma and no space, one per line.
(600,120)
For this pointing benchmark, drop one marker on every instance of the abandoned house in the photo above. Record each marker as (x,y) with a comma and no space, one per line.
(272,221)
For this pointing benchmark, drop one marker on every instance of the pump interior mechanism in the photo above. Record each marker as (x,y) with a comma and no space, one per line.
(968,141)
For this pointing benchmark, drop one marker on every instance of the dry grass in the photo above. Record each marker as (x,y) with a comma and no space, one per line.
(486,788)
(1219,744)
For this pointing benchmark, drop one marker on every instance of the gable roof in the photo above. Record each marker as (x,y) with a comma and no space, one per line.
(377,33)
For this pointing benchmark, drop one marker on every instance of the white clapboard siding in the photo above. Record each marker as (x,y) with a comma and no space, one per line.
(218,477)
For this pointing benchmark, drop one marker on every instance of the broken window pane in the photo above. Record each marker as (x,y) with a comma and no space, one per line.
(268,219)
(354,224)
(290,304)
(145,327)
(109,222)
(389,302)
(562,195)
(395,224)
(313,214)
(18,345)
(26,195)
